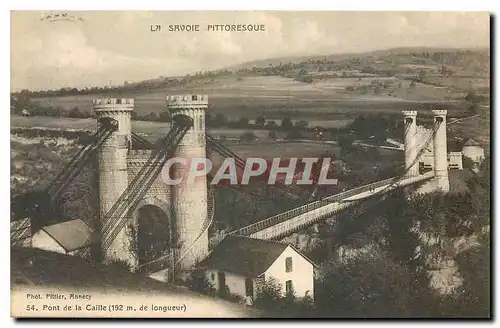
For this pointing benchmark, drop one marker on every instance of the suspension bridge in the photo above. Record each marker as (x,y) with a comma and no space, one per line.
(129,177)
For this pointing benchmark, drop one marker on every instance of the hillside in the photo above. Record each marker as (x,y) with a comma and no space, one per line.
(37,270)
(481,53)
(316,87)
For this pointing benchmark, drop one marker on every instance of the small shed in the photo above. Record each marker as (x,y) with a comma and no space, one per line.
(71,237)
(473,150)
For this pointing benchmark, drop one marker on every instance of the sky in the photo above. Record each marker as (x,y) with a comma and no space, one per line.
(109,47)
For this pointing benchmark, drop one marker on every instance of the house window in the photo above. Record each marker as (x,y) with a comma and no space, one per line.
(288,264)
(288,287)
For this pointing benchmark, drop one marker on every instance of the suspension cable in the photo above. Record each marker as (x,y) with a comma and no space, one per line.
(146,178)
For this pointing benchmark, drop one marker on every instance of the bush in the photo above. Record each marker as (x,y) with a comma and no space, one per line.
(77,113)
(272,135)
(198,282)
(269,294)
(294,134)
(119,265)
(248,136)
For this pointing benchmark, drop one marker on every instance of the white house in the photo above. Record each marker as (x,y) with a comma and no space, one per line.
(70,237)
(242,264)
(454,160)
(473,150)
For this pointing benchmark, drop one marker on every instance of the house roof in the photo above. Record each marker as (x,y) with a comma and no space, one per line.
(472,142)
(71,235)
(247,256)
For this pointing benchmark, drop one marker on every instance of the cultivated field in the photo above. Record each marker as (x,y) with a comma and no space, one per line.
(268,149)
(270,95)
(153,129)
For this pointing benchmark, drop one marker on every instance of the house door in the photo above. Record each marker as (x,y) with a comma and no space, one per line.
(249,287)
(222,280)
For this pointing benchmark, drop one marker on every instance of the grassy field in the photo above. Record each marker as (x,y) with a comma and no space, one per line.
(477,128)
(281,149)
(270,95)
(153,129)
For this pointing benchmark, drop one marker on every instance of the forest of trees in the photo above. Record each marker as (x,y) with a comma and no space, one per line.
(394,280)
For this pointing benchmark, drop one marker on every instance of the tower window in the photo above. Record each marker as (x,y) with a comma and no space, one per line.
(195,97)
(288,264)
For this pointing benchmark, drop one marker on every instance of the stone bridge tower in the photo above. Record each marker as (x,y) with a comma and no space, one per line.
(411,145)
(189,199)
(113,175)
(440,152)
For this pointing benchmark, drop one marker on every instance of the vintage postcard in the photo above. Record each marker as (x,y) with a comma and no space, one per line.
(262,164)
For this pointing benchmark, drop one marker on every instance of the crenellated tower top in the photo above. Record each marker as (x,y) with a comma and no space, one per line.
(112,104)
(410,113)
(187,102)
(439,112)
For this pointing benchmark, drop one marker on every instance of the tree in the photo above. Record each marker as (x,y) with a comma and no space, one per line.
(287,123)
(248,136)
(75,113)
(303,76)
(365,287)
(422,75)
(301,125)
(271,124)
(220,120)
(165,117)
(472,108)
(345,143)
(260,121)
(150,117)
(243,122)
(445,71)
(294,134)
(472,96)
(22,100)
(269,294)
(199,282)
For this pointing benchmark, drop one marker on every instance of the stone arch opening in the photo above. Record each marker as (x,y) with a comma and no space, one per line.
(154,233)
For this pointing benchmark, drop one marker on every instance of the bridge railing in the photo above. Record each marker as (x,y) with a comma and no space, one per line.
(306,208)
(255,227)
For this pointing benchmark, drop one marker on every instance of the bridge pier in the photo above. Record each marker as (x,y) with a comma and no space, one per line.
(410,140)
(440,152)
(113,174)
(189,199)
(441,181)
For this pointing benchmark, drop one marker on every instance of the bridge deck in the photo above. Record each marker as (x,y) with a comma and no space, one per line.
(305,215)
(295,219)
